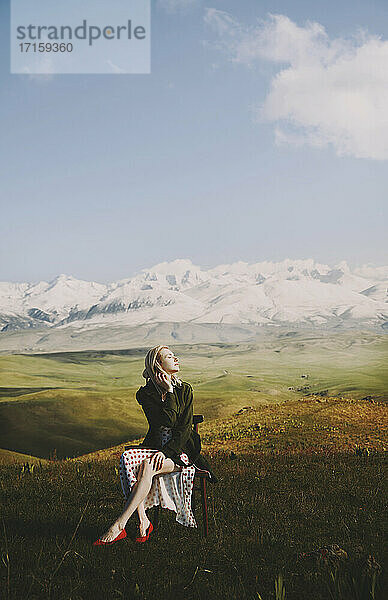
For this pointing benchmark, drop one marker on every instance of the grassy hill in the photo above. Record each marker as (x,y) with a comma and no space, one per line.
(7,457)
(299,508)
(71,403)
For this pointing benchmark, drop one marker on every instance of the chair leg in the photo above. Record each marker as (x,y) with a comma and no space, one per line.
(204,508)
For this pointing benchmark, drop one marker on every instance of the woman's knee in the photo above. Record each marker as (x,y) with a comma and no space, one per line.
(169,465)
(146,468)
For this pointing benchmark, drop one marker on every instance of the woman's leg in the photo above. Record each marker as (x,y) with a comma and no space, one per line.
(138,494)
(144,520)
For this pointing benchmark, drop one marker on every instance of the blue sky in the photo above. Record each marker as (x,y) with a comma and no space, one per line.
(219,155)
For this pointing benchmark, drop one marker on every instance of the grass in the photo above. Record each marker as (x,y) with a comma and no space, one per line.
(315,423)
(297,514)
(72,403)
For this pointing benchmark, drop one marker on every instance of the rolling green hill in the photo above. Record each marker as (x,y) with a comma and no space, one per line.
(72,403)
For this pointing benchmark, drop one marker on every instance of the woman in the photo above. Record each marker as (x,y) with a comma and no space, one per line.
(168,405)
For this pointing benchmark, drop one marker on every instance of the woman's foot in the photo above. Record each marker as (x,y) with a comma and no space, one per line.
(145,537)
(115,531)
(143,526)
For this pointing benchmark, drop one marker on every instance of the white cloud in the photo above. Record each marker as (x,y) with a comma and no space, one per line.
(326,91)
(38,77)
(222,22)
(173,6)
(43,70)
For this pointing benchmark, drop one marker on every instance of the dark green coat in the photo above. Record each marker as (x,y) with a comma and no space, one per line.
(176,411)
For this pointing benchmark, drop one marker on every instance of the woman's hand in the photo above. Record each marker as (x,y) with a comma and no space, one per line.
(164,380)
(157,461)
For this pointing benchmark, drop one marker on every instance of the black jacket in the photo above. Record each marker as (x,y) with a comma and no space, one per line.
(176,411)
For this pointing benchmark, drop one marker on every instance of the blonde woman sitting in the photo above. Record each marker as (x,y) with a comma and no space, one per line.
(161,471)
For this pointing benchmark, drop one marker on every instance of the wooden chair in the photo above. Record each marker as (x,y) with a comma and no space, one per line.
(199,478)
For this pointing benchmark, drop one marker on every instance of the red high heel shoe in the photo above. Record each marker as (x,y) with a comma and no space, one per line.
(145,537)
(121,536)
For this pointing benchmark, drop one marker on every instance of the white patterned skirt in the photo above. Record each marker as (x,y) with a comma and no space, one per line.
(170,490)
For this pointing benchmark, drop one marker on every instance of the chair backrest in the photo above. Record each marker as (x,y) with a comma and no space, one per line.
(197,419)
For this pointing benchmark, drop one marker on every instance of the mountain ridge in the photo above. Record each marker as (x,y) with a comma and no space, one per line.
(299,292)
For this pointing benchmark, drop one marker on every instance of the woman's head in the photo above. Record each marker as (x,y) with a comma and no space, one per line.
(167,361)
(161,359)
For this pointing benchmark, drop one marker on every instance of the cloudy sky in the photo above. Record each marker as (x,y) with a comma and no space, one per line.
(260,134)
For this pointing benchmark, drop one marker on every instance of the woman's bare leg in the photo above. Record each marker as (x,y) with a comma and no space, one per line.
(144,520)
(138,495)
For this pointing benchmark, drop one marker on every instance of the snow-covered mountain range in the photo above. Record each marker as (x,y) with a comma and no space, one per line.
(297,292)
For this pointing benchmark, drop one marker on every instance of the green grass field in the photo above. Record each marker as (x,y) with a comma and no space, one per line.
(75,402)
(299,504)
(297,514)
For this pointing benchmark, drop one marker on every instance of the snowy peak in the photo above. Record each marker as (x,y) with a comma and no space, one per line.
(301,292)
(377,292)
(177,266)
(177,274)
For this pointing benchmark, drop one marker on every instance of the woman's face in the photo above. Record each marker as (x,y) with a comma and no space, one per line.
(169,361)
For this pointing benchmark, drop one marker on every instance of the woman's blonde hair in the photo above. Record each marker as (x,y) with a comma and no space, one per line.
(152,365)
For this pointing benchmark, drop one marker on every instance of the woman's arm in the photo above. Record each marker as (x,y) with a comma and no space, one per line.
(159,413)
(181,431)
